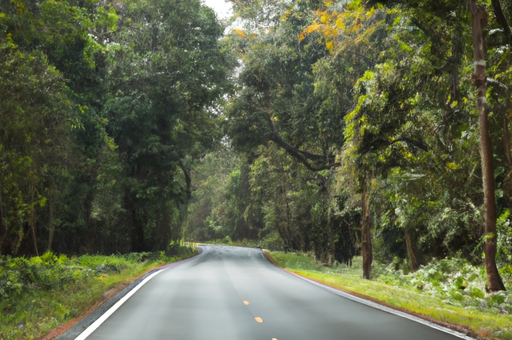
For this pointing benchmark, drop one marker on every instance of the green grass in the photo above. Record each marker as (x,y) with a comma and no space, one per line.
(483,323)
(39,294)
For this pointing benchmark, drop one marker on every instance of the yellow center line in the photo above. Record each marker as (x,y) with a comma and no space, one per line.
(247,303)
(258,319)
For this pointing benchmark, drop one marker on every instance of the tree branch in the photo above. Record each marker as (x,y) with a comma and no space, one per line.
(302,156)
(299,155)
(416,143)
(497,83)
(502,19)
(188,180)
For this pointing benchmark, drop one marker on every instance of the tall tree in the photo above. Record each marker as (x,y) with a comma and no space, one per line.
(168,73)
(34,137)
(479,25)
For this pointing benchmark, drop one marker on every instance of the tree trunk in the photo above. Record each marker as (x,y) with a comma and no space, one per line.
(188,179)
(366,244)
(506,141)
(410,251)
(162,235)
(490,239)
(507,184)
(33,219)
(133,225)
(50,226)
(330,247)
(501,18)
(3,229)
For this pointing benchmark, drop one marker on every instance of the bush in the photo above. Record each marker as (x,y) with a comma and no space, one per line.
(272,242)
(454,280)
(18,275)
(38,294)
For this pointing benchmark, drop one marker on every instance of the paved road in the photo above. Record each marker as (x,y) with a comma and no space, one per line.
(231,293)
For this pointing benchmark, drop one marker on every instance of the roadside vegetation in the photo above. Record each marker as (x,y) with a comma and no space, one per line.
(338,128)
(39,294)
(450,290)
(271,241)
(358,127)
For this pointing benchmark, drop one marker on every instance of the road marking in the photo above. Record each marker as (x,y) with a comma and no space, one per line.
(258,319)
(247,303)
(382,307)
(274,338)
(112,309)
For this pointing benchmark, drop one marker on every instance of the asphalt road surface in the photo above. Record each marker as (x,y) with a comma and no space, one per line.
(230,293)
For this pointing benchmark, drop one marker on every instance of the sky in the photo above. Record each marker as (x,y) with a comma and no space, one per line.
(220,6)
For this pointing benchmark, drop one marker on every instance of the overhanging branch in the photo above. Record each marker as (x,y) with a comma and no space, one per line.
(303,156)
(320,162)
(502,19)
(416,143)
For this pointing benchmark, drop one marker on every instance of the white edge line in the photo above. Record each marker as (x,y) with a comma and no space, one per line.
(390,310)
(380,307)
(112,309)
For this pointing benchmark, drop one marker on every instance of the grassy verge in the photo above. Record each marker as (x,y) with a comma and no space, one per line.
(485,322)
(40,294)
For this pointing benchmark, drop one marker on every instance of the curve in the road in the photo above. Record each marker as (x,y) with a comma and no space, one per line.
(234,293)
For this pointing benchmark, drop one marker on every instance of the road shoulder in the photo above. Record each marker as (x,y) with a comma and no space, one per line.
(463,332)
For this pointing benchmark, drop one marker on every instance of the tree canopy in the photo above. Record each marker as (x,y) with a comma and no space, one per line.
(105,105)
(341,128)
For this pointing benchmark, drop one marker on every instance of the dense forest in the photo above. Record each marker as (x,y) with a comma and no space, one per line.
(343,128)
(104,107)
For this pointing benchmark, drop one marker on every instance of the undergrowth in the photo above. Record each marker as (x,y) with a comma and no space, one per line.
(40,293)
(271,242)
(450,290)
(455,282)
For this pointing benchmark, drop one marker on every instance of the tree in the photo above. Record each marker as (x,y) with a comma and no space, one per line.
(168,73)
(206,212)
(419,49)
(124,114)
(277,107)
(66,35)
(33,141)
(276,102)
(479,24)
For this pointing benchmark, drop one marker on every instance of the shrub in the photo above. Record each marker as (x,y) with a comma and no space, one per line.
(454,280)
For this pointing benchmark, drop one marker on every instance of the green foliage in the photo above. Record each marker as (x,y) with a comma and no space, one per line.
(456,282)
(504,227)
(227,240)
(208,212)
(168,72)
(103,113)
(40,293)
(483,316)
(295,261)
(272,242)
(108,119)
(307,261)
(33,137)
